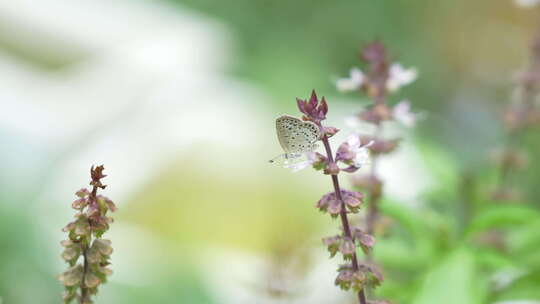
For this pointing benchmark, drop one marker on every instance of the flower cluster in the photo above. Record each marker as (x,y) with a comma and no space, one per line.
(378,80)
(521,115)
(381,79)
(81,280)
(350,156)
(350,200)
(348,277)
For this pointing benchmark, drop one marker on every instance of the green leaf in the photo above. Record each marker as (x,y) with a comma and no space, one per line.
(525,287)
(501,217)
(453,281)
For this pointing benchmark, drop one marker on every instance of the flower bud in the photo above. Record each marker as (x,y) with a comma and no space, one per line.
(91,280)
(93,255)
(103,246)
(329,131)
(347,248)
(71,253)
(72,276)
(82,193)
(82,227)
(382,146)
(79,204)
(352,200)
(313,110)
(333,244)
(344,277)
(331,169)
(364,240)
(372,274)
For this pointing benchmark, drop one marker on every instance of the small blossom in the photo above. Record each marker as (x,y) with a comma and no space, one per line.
(402,114)
(399,77)
(72,276)
(374,53)
(71,253)
(353,83)
(91,280)
(352,199)
(332,243)
(315,159)
(370,183)
(353,152)
(331,169)
(527,3)
(329,203)
(348,278)
(329,131)
(82,193)
(347,247)
(103,246)
(79,204)
(365,241)
(380,146)
(313,109)
(372,273)
(378,113)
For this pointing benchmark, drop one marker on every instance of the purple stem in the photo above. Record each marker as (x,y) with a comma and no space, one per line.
(343,213)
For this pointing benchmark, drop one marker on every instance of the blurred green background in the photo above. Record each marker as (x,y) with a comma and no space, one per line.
(178,98)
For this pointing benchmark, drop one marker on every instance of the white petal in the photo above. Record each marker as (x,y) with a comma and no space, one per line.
(399,76)
(353,122)
(353,141)
(301,162)
(357,75)
(353,83)
(295,167)
(402,113)
(362,157)
(311,156)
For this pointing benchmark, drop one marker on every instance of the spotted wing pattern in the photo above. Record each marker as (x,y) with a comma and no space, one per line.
(296,136)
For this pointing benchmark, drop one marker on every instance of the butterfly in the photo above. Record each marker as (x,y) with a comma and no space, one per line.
(296,137)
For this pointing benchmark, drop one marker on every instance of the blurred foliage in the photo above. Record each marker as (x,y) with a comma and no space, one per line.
(446,251)
(288,47)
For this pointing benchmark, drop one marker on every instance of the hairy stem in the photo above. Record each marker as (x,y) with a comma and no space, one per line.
(343,214)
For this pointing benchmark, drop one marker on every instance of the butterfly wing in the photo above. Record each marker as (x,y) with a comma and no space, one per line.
(295,135)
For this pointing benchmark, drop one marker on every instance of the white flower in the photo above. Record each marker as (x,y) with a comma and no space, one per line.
(304,161)
(399,76)
(361,151)
(527,3)
(402,113)
(353,83)
(353,122)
